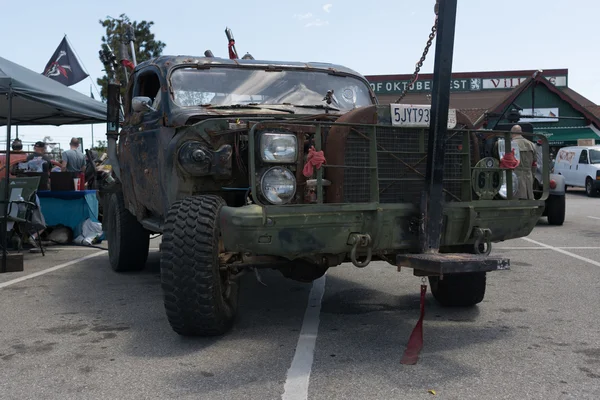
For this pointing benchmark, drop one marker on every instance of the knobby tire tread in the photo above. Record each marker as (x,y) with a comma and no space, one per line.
(130,252)
(459,290)
(556,210)
(190,269)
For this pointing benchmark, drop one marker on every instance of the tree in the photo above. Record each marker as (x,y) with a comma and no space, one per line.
(146,47)
(101,147)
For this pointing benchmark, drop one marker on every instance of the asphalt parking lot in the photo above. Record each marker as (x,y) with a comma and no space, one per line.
(73,329)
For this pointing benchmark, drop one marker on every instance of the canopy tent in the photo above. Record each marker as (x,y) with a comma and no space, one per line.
(30,98)
(39,100)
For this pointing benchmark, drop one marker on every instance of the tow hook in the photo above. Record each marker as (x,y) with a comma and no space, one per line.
(360,241)
(482,236)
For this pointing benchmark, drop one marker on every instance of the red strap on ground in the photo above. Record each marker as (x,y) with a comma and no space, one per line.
(315,159)
(415,343)
(509,161)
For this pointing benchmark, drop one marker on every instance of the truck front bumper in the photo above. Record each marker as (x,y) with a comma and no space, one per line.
(314,230)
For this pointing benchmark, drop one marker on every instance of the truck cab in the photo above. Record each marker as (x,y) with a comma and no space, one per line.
(580,167)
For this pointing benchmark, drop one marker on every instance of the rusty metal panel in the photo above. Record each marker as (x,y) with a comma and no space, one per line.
(455,263)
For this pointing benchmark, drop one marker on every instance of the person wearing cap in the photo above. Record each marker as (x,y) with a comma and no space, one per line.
(39,154)
(17,146)
(73,160)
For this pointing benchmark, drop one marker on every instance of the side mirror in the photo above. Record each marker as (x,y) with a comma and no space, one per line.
(142,103)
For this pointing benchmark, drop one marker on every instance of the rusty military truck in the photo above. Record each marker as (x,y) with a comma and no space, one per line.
(248,164)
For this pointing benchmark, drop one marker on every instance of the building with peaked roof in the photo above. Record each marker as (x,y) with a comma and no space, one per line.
(542,97)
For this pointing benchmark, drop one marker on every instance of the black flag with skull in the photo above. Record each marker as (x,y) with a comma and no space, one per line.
(63,66)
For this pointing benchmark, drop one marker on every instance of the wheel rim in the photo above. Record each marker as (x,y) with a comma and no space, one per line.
(588,186)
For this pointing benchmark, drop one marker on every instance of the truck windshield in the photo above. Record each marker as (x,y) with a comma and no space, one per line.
(221,86)
(594,156)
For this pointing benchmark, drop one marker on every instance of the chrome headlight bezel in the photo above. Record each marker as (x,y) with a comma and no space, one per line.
(265,192)
(291,158)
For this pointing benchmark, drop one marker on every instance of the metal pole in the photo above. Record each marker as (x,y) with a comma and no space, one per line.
(6,183)
(433,200)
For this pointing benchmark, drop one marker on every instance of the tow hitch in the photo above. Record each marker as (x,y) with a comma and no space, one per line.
(360,241)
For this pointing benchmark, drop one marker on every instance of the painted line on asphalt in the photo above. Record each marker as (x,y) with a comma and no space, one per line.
(546,248)
(298,375)
(568,253)
(46,271)
(593,217)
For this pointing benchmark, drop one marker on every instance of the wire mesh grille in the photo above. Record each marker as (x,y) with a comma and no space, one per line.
(401,162)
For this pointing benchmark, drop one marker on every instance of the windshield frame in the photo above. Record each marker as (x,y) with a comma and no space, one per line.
(591,159)
(269,68)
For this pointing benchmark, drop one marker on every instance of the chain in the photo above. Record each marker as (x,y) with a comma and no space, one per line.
(422,60)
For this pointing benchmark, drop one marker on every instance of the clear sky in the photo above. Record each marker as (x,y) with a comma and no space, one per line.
(372,37)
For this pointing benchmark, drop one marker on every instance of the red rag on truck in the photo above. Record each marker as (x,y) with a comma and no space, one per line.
(315,159)
(509,161)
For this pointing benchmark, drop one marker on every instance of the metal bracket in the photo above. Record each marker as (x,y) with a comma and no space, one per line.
(482,237)
(360,241)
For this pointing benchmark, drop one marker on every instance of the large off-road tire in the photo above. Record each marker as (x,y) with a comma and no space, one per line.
(459,290)
(200,299)
(555,209)
(128,241)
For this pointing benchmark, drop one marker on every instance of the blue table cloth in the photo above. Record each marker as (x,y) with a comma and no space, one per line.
(69,208)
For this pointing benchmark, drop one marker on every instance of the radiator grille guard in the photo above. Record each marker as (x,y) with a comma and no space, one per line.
(380,163)
(401,165)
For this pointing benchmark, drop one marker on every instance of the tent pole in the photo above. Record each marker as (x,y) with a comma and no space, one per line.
(6,185)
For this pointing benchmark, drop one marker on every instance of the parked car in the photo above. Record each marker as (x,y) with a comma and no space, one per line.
(580,166)
(556,202)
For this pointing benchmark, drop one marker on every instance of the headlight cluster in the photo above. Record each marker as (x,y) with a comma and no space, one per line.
(280,148)
(278,183)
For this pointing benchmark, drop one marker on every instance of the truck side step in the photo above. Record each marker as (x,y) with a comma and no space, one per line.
(452,263)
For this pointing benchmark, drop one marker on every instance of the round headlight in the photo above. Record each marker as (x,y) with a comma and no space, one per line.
(278,147)
(278,185)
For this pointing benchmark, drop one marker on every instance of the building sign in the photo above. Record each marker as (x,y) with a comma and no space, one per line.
(459,85)
(542,114)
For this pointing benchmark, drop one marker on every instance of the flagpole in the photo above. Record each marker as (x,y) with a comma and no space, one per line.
(84,68)
(92,125)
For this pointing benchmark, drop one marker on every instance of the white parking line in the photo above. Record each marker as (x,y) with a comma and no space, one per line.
(23,278)
(546,248)
(568,253)
(296,384)
(593,217)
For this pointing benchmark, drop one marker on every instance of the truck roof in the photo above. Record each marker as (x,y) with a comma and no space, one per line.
(580,147)
(167,62)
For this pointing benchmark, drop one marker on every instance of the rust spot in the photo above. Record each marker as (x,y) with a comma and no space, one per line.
(336,147)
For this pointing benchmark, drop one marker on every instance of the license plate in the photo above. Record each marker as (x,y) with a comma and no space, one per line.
(416,116)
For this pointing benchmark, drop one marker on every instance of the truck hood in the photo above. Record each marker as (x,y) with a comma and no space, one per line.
(180,116)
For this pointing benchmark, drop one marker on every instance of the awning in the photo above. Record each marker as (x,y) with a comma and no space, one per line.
(567,136)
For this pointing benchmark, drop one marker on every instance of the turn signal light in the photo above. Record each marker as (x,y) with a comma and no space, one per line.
(552,184)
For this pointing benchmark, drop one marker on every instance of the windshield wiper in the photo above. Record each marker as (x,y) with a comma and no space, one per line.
(252,106)
(319,106)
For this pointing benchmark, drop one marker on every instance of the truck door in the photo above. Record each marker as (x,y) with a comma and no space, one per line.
(142,143)
(566,160)
(581,169)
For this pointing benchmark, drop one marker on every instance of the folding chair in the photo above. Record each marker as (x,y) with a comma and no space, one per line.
(23,210)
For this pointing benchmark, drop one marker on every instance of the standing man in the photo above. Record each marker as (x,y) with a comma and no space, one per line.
(73,160)
(526,168)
